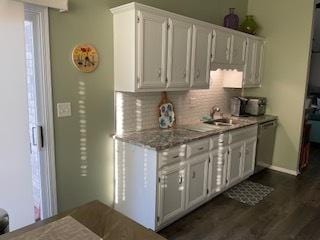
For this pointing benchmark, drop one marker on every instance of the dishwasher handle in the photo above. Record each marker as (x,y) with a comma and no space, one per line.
(268,124)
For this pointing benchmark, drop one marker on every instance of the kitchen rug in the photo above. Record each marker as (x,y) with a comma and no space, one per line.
(248,192)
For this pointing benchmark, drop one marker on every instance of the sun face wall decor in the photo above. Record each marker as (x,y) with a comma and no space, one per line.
(85,58)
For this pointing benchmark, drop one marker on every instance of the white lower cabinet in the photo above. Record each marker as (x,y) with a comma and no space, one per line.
(249,156)
(171,192)
(235,163)
(155,188)
(197,180)
(218,170)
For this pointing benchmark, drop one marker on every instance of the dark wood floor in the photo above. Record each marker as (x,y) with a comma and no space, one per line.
(292,211)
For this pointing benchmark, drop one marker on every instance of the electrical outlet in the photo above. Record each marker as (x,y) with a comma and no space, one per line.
(64,110)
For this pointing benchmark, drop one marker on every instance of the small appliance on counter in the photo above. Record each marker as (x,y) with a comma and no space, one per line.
(256,106)
(238,106)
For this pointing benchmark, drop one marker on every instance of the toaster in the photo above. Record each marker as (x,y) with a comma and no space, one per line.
(256,106)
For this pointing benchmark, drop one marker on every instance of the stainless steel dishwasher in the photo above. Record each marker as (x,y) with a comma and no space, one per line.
(265,145)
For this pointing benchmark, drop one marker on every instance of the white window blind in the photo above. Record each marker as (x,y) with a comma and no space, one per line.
(62,5)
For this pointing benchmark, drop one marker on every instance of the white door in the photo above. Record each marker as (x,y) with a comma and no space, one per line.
(218,170)
(221,47)
(248,74)
(171,192)
(40,114)
(249,156)
(197,180)
(258,57)
(152,50)
(15,170)
(238,50)
(179,53)
(235,163)
(200,60)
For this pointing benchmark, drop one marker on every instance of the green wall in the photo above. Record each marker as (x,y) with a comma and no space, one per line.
(287,26)
(90,21)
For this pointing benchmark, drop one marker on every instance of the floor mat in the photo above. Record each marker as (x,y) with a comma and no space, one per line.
(249,193)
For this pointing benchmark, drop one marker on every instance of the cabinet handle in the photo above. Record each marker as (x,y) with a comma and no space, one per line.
(240,154)
(201,148)
(184,75)
(180,180)
(159,72)
(193,174)
(176,156)
(198,73)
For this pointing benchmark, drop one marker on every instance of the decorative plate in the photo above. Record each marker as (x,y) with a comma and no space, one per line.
(167,117)
(85,58)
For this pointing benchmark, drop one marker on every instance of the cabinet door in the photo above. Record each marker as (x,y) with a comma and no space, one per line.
(258,58)
(218,170)
(248,75)
(152,51)
(200,61)
(238,50)
(253,66)
(179,54)
(235,163)
(171,192)
(197,179)
(221,47)
(249,156)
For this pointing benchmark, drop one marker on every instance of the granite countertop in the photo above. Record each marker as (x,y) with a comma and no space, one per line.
(161,139)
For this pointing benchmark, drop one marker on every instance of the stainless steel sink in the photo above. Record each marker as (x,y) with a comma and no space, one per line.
(223,122)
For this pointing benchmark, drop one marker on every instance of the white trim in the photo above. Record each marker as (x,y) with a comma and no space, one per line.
(284,170)
(62,5)
(48,173)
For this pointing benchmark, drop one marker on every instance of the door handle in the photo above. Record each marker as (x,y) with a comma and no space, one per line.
(37,137)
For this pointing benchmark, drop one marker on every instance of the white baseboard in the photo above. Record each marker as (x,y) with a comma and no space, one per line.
(284,170)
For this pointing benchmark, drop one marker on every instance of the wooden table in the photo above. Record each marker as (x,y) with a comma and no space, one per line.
(100,219)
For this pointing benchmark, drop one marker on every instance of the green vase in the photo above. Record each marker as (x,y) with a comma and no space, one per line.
(249,25)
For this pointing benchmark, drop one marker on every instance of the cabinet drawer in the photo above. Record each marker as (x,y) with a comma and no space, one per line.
(219,141)
(198,147)
(172,155)
(240,135)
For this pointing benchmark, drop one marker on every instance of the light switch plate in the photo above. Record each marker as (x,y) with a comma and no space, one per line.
(64,110)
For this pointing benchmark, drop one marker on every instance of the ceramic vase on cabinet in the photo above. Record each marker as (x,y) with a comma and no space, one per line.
(231,20)
(249,25)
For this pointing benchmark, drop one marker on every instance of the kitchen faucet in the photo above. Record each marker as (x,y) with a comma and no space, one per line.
(214,110)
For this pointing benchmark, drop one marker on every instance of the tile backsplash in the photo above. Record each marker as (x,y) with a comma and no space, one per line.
(138,111)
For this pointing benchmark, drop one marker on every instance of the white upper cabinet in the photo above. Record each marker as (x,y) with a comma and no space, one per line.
(179,53)
(254,62)
(221,47)
(155,50)
(228,48)
(201,52)
(152,50)
(238,49)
